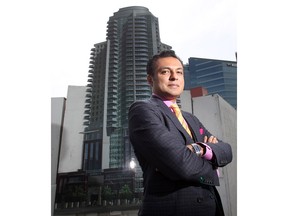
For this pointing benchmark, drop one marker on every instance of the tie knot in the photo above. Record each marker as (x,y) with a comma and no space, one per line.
(175,108)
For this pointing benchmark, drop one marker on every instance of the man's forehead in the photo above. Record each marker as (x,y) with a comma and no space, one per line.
(169,62)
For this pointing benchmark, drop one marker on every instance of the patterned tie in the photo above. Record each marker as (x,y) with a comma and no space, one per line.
(180,117)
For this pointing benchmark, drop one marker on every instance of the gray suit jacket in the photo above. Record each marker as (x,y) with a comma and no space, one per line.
(176,181)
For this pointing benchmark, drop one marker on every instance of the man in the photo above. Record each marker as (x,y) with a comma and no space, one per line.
(179,169)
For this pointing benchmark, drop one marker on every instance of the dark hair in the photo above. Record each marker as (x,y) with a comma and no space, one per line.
(151,65)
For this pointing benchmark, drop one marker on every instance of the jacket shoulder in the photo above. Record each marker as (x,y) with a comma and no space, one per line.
(145,103)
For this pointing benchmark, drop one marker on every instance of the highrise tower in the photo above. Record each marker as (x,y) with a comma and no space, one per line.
(117,77)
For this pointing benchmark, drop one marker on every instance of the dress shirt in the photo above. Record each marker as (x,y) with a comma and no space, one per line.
(208,151)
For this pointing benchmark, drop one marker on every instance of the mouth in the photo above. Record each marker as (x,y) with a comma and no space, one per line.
(173,85)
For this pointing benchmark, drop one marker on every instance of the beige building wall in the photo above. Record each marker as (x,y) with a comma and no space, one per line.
(57,116)
(70,159)
(220,118)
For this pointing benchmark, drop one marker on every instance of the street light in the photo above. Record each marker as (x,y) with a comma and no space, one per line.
(132,163)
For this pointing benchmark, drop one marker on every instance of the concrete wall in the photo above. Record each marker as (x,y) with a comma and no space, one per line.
(72,138)
(220,118)
(57,116)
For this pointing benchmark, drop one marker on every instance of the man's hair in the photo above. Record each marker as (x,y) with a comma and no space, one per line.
(151,65)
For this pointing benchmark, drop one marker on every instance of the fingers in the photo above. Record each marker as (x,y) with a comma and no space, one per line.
(189,147)
(205,139)
(212,139)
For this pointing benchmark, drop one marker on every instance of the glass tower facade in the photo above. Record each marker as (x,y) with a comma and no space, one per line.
(217,76)
(94,109)
(117,77)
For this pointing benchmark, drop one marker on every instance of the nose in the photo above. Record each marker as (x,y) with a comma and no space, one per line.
(173,76)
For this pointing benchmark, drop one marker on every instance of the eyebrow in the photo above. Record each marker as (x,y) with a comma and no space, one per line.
(167,67)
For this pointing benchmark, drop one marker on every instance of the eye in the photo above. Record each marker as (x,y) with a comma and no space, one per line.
(165,71)
(180,72)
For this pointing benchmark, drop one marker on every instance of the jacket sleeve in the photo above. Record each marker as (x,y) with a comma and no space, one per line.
(222,152)
(159,145)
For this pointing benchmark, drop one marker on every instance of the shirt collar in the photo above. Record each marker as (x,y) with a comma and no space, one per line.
(167,102)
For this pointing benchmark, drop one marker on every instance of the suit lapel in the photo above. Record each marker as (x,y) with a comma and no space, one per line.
(193,126)
(172,117)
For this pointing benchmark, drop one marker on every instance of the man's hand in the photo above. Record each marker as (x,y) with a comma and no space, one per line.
(191,148)
(212,139)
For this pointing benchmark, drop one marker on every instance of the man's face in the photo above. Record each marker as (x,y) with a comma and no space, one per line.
(168,79)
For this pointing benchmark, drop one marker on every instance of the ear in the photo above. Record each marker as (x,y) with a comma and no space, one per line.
(150,80)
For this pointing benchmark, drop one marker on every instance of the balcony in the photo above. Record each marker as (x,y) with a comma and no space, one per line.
(86,123)
(88,100)
(112,114)
(113,96)
(88,106)
(87,112)
(112,108)
(111,119)
(87,117)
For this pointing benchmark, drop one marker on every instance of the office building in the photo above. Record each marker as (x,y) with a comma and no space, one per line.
(217,76)
(117,77)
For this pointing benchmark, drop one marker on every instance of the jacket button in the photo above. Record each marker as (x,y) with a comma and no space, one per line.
(199,199)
